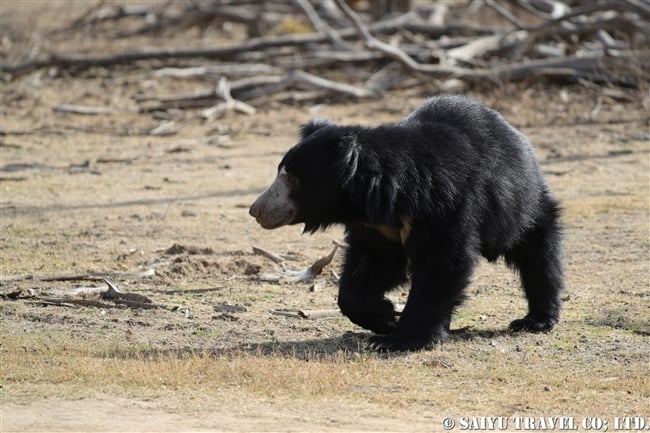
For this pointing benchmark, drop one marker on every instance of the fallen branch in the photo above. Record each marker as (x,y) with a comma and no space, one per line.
(229,104)
(300,276)
(269,255)
(78,296)
(91,276)
(319,314)
(216,71)
(75,303)
(82,109)
(320,25)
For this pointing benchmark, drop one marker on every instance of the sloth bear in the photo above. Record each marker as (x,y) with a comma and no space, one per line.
(423,198)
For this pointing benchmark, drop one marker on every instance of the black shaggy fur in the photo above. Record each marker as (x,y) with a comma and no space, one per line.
(466,182)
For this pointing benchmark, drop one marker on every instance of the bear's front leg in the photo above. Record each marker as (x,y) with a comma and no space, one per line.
(437,288)
(373,265)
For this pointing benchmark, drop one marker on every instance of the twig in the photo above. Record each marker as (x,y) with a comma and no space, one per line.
(319,314)
(322,83)
(229,104)
(82,109)
(92,276)
(269,255)
(319,264)
(321,26)
(299,276)
(505,13)
(217,70)
(66,302)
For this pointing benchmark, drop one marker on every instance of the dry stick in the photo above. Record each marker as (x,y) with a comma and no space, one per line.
(322,83)
(65,302)
(394,52)
(317,267)
(92,276)
(269,255)
(486,44)
(505,13)
(319,314)
(83,19)
(217,70)
(229,104)
(320,25)
(81,109)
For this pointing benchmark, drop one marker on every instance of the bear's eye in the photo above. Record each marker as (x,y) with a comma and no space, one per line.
(291,179)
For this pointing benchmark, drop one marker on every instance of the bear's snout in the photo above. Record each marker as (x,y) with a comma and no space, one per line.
(273,208)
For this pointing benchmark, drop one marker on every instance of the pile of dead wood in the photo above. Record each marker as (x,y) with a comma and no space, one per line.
(349,51)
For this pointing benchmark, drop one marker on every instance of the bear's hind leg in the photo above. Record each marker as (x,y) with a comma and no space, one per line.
(373,265)
(539,260)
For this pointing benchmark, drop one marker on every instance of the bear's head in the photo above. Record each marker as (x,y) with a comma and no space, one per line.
(310,184)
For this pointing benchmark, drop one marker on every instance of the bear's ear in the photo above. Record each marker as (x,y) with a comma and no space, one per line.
(312,126)
(348,159)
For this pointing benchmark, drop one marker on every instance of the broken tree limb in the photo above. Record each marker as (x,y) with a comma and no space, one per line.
(322,83)
(504,12)
(319,264)
(229,104)
(302,78)
(82,109)
(91,276)
(298,276)
(320,25)
(269,255)
(69,302)
(319,314)
(216,71)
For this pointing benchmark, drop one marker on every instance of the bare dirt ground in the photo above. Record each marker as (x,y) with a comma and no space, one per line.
(99,194)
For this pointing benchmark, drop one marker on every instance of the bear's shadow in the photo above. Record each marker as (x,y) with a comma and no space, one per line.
(350,343)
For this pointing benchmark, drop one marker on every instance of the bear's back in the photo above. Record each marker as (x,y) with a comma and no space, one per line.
(458,111)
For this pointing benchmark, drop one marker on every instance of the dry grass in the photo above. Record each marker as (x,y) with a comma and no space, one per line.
(501,375)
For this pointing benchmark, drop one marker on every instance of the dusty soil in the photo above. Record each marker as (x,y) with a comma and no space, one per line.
(101,194)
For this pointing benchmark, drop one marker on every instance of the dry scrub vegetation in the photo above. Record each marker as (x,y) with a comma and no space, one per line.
(227,349)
